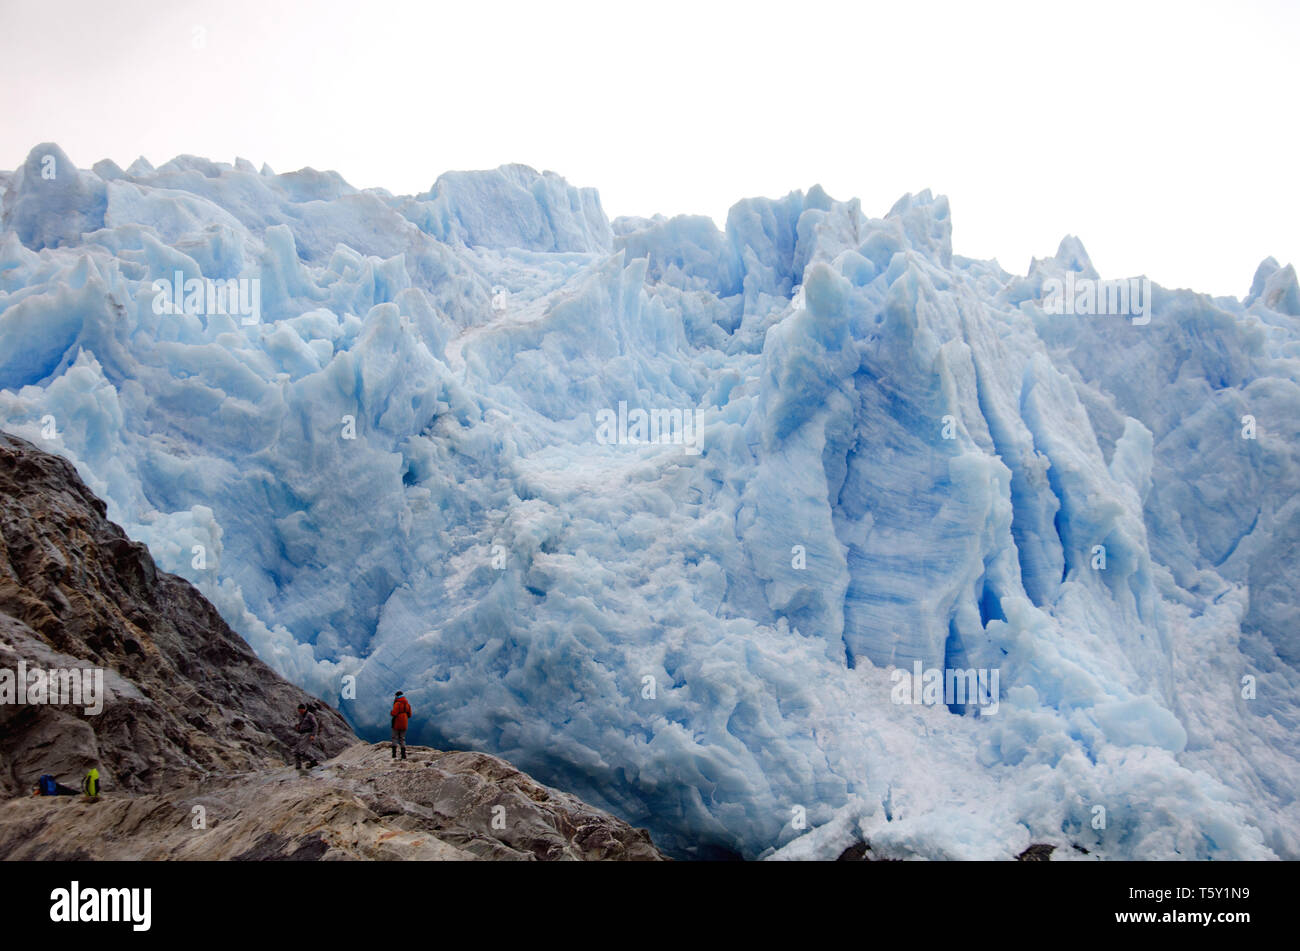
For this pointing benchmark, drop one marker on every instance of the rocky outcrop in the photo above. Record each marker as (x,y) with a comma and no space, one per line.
(359,805)
(1038,852)
(193,726)
(860,852)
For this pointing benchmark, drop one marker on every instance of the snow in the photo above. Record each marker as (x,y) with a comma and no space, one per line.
(394,477)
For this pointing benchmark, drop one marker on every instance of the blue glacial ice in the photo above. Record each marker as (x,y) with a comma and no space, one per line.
(392,479)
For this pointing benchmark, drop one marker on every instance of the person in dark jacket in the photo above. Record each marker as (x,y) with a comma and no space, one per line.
(401,715)
(306,729)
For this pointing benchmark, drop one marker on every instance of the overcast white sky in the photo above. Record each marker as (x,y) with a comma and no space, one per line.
(1164,135)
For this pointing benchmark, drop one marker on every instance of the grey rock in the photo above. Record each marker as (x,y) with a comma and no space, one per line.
(360,805)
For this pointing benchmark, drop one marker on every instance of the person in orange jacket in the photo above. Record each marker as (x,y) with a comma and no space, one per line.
(401,715)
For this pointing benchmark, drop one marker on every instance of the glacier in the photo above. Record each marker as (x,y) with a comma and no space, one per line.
(390,478)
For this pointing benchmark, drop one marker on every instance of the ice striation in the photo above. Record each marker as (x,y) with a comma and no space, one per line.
(393,476)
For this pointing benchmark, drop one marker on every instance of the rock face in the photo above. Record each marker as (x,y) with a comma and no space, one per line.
(191,717)
(359,805)
(185,696)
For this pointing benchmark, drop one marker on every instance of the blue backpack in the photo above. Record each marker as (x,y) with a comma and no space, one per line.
(48,786)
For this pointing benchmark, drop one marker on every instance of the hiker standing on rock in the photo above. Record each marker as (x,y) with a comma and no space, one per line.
(306,729)
(401,715)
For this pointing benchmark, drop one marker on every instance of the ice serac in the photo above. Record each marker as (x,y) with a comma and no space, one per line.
(50,203)
(512,207)
(897,458)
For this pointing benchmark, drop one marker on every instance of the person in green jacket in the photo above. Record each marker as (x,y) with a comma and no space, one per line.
(90,785)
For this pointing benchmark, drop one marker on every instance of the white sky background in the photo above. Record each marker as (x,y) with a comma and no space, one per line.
(1163,135)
